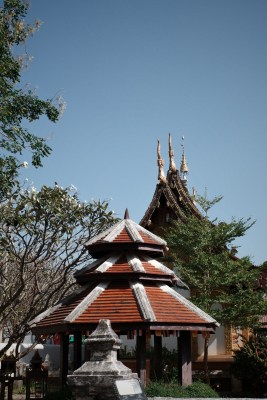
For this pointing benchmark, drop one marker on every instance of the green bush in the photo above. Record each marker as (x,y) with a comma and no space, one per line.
(173,389)
(200,389)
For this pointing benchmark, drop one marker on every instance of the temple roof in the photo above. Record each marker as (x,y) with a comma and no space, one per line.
(127,286)
(171,199)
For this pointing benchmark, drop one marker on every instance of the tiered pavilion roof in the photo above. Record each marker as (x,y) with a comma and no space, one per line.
(126,284)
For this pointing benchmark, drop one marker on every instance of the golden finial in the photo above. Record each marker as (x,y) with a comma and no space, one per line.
(183,168)
(161,174)
(172,166)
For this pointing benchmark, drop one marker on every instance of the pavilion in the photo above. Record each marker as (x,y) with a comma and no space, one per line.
(129,286)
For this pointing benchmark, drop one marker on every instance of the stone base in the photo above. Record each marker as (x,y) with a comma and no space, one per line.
(94,380)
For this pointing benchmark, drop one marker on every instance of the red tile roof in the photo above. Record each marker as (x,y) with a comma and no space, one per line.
(127,303)
(126,286)
(125,233)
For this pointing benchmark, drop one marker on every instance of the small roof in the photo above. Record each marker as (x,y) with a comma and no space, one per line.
(126,234)
(129,265)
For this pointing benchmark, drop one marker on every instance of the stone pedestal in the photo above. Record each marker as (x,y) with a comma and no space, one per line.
(94,379)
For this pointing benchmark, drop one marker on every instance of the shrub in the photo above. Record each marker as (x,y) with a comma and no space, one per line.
(200,389)
(173,389)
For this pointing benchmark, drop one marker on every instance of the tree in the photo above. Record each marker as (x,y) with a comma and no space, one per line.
(18,105)
(42,234)
(42,238)
(203,253)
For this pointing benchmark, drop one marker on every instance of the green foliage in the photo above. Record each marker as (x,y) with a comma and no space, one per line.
(200,389)
(172,389)
(202,252)
(18,105)
(250,364)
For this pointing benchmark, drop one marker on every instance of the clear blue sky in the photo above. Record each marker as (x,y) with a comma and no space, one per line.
(131,71)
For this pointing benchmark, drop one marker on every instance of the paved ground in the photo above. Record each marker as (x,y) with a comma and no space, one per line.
(22,397)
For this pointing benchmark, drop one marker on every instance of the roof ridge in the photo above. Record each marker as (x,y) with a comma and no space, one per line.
(101,234)
(132,230)
(86,302)
(135,263)
(143,301)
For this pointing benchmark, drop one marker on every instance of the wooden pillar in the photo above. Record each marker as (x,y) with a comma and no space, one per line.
(141,356)
(184,358)
(64,355)
(77,350)
(158,356)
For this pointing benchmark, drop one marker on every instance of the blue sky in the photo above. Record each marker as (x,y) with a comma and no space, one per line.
(132,71)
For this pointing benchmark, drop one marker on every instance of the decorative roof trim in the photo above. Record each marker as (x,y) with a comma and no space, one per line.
(102,234)
(44,314)
(172,166)
(188,304)
(108,263)
(170,197)
(143,301)
(183,192)
(86,302)
(115,232)
(61,302)
(161,174)
(151,235)
(135,263)
(158,265)
(133,232)
(165,269)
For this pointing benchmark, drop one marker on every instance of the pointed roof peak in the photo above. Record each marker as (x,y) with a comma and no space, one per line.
(184,167)
(126,235)
(126,214)
(172,167)
(161,174)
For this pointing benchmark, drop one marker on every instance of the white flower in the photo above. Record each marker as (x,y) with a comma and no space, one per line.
(25,164)
(72,188)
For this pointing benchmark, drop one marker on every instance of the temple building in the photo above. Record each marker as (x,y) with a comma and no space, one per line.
(172,201)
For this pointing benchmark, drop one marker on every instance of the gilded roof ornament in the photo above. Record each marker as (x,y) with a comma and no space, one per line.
(183,168)
(161,174)
(172,166)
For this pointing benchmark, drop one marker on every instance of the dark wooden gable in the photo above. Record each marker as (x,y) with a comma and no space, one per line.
(171,199)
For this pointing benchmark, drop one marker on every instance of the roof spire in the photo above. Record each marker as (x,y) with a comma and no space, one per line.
(161,174)
(126,214)
(183,168)
(172,166)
